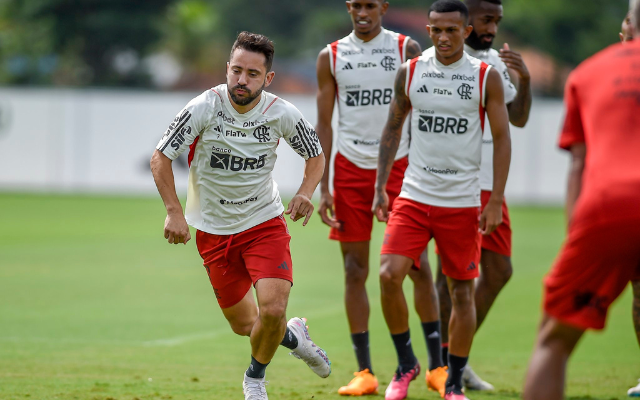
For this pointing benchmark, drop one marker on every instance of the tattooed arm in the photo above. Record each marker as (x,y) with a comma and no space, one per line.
(398,110)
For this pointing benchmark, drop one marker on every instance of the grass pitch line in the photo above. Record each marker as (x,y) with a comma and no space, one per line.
(180,340)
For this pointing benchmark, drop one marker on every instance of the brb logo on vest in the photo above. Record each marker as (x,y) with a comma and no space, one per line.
(437,124)
(356,98)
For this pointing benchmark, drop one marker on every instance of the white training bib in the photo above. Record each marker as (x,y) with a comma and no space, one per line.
(231,158)
(492,58)
(446,124)
(365,74)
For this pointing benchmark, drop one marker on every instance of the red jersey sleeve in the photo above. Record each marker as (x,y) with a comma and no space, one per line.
(572,131)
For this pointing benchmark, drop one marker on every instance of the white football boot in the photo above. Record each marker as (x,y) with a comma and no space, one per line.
(472,381)
(634,391)
(254,388)
(307,351)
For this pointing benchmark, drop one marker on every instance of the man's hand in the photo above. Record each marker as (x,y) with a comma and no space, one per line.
(491,217)
(326,210)
(514,61)
(381,205)
(300,206)
(176,229)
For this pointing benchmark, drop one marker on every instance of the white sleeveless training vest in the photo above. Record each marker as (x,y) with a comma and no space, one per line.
(365,74)
(492,58)
(447,123)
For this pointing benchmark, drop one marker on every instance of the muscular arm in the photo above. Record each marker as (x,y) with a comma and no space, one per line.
(499,120)
(176,229)
(413,49)
(574,184)
(520,107)
(301,205)
(398,110)
(325,99)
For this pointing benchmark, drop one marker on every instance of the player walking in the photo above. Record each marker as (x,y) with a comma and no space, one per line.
(448,93)
(602,207)
(359,70)
(232,132)
(495,260)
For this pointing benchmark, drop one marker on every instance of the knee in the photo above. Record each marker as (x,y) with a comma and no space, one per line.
(390,278)
(355,272)
(462,296)
(242,328)
(272,316)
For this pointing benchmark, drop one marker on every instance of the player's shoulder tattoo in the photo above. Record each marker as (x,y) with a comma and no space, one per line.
(413,49)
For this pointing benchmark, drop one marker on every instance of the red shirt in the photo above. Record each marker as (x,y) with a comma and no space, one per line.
(602,98)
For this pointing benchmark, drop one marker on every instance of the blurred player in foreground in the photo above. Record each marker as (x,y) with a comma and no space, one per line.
(495,261)
(627,35)
(232,132)
(359,70)
(448,93)
(602,250)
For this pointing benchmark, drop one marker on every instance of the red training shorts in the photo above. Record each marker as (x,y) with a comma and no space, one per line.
(596,263)
(353,191)
(499,241)
(234,262)
(456,231)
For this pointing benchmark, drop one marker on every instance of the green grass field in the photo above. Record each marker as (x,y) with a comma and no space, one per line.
(94,304)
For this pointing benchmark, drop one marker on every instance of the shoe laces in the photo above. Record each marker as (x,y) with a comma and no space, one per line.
(256,388)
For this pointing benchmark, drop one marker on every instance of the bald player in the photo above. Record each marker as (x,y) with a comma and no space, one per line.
(601,253)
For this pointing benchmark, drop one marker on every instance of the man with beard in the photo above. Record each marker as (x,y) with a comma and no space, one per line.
(601,252)
(232,132)
(359,71)
(495,262)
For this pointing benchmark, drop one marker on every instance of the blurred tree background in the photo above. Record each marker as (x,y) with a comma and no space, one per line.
(184,44)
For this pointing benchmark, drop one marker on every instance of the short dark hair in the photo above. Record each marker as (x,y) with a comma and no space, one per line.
(256,43)
(474,3)
(446,6)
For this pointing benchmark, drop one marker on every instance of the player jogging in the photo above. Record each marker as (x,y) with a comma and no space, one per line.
(359,70)
(448,93)
(495,260)
(232,132)
(602,251)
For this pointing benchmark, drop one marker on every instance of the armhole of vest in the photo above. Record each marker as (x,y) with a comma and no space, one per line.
(484,69)
(402,44)
(411,66)
(333,56)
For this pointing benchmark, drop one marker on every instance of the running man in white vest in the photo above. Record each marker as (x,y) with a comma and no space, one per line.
(359,70)
(495,259)
(448,93)
(232,132)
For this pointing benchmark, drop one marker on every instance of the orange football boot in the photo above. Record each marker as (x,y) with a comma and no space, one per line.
(437,379)
(363,384)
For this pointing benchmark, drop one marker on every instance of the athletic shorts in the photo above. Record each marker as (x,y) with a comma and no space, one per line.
(499,241)
(235,262)
(353,191)
(456,231)
(595,264)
